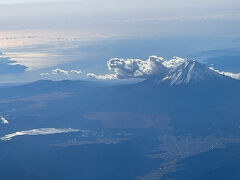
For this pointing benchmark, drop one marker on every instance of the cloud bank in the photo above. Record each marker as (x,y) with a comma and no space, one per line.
(137,68)
(34,132)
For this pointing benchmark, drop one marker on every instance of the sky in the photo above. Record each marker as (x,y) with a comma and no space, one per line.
(38,36)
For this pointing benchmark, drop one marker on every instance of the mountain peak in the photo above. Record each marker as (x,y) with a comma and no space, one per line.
(189,72)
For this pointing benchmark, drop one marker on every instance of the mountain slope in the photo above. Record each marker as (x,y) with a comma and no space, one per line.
(192,99)
(189,72)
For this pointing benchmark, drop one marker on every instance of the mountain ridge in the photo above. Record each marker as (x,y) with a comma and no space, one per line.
(189,71)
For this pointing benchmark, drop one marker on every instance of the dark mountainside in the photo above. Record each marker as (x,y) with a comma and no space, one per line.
(150,123)
(196,100)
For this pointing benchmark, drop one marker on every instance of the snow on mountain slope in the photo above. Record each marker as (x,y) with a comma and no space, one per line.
(188,72)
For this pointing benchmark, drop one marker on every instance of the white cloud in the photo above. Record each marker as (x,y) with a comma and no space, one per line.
(44,74)
(232,75)
(60,71)
(4,121)
(76,72)
(34,132)
(174,62)
(137,68)
(102,77)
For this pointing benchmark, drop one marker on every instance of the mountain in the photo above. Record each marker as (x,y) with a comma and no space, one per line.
(189,72)
(160,125)
(191,99)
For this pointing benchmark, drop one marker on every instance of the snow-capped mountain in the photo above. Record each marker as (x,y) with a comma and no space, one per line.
(189,72)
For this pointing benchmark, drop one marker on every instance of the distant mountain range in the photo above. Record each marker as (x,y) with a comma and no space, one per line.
(190,99)
(155,124)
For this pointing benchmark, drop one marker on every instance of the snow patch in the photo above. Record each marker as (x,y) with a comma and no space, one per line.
(4,120)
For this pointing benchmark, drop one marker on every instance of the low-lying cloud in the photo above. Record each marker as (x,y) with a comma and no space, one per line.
(76,72)
(137,68)
(34,132)
(59,71)
(44,74)
(102,77)
(232,75)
